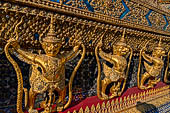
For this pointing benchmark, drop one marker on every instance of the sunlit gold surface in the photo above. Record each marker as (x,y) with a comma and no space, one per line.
(167,73)
(116,74)
(48,71)
(93,23)
(152,71)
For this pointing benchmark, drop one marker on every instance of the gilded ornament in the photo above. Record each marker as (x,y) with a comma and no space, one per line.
(48,71)
(117,74)
(167,72)
(153,70)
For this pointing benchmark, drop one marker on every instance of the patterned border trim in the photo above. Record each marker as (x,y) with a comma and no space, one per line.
(157,97)
(156,8)
(68,10)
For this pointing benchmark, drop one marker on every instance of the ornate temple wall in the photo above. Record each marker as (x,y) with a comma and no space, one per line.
(143,21)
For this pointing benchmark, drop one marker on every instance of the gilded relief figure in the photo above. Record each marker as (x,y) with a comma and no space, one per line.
(153,70)
(48,72)
(167,73)
(117,74)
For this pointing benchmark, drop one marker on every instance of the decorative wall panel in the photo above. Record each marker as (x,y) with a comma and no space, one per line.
(85,21)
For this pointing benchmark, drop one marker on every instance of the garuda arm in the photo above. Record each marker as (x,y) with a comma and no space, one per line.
(147,66)
(146,56)
(27,57)
(106,56)
(148,59)
(73,53)
(130,58)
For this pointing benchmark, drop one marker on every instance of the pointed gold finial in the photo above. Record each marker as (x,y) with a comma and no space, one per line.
(159,47)
(51,24)
(51,36)
(123,36)
(122,40)
(159,44)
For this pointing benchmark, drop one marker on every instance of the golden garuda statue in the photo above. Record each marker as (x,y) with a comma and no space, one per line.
(116,75)
(48,71)
(153,65)
(167,72)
